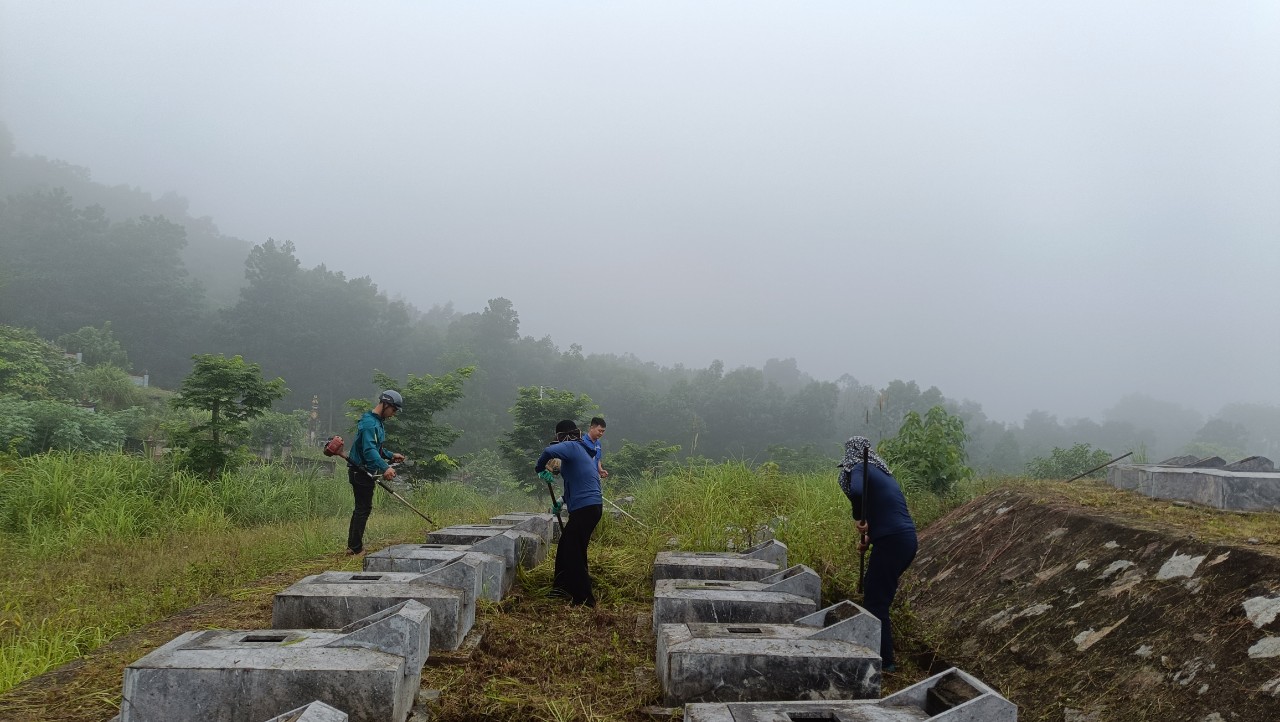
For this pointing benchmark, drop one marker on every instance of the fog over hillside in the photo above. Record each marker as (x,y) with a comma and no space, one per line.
(1034,207)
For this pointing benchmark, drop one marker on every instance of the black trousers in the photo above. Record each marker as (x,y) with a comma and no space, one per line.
(890,557)
(362,489)
(572,578)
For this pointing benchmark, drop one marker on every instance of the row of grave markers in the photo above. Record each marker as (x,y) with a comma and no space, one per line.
(344,646)
(740,637)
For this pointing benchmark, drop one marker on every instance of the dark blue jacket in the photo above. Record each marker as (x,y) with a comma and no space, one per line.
(887,513)
(366,448)
(579,471)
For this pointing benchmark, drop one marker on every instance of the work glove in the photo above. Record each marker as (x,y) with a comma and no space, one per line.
(556,506)
(546,476)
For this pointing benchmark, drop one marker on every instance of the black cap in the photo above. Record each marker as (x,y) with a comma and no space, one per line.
(566,426)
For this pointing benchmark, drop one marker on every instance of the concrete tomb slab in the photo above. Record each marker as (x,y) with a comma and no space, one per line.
(336,599)
(471,572)
(1220,488)
(775,599)
(1179,460)
(1208,462)
(314,712)
(371,669)
(465,533)
(770,550)
(495,576)
(722,566)
(542,524)
(769,662)
(847,621)
(1251,463)
(952,696)
(527,549)
(531,549)
(797,579)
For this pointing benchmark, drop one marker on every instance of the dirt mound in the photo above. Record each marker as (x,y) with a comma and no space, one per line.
(1082,616)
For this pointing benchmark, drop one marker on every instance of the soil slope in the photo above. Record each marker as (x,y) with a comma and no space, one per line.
(1090,615)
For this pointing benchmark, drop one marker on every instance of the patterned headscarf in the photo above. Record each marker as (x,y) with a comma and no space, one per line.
(853,454)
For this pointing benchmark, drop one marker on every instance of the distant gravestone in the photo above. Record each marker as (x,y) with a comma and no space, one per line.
(1208,462)
(1251,463)
(1184,460)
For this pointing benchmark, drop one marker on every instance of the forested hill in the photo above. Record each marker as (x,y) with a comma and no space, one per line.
(215,260)
(77,253)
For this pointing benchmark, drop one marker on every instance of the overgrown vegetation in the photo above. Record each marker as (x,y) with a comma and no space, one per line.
(96,545)
(1067,463)
(929,452)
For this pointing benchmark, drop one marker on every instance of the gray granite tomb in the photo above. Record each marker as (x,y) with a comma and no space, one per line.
(371,669)
(951,696)
(336,599)
(831,655)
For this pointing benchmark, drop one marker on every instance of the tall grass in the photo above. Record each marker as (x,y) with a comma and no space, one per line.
(55,503)
(94,546)
(718,507)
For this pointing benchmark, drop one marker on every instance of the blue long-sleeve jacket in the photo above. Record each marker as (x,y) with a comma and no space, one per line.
(887,513)
(579,471)
(366,448)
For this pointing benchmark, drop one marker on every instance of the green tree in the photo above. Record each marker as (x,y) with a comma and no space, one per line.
(32,368)
(96,346)
(641,461)
(929,451)
(232,391)
(416,433)
(537,411)
(1067,463)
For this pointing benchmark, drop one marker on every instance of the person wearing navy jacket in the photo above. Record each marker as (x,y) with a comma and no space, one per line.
(888,525)
(583,498)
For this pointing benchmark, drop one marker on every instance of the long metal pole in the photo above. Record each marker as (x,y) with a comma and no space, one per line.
(624,511)
(1109,463)
(866,508)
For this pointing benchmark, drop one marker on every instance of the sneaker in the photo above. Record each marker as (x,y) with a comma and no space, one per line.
(355,552)
(890,667)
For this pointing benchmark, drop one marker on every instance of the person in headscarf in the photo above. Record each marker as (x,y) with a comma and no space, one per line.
(885,525)
(580,472)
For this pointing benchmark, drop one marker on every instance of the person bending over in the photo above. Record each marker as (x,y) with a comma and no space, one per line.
(886,524)
(584,500)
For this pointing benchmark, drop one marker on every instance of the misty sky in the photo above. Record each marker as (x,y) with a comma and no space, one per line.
(1030,205)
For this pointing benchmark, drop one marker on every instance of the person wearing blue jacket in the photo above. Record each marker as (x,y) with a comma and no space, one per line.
(883,521)
(367,458)
(583,498)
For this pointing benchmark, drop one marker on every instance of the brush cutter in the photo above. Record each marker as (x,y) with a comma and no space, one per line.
(334,448)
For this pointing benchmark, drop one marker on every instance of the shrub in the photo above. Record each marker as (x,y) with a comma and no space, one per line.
(929,451)
(1067,463)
